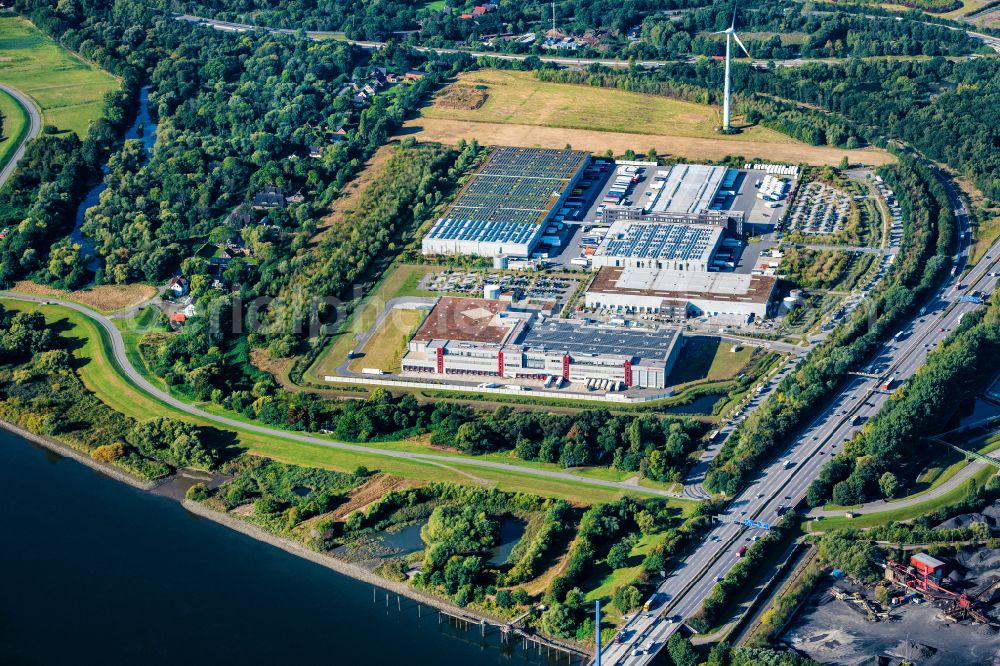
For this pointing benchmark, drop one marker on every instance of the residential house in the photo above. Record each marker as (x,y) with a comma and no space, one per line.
(269,197)
(240,217)
(177,320)
(178,286)
(414,75)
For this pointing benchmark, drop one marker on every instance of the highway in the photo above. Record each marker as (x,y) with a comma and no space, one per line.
(34,125)
(692,581)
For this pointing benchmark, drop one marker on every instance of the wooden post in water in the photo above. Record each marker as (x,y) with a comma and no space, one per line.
(399,606)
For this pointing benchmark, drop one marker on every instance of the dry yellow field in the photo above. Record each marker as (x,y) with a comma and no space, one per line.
(520,98)
(695,148)
(104,298)
(522,111)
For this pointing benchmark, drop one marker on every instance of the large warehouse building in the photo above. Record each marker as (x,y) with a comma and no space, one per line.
(471,337)
(505,206)
(681,293)
(681,247)
(690,194)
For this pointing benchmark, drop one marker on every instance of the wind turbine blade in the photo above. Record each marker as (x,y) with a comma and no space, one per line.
(732,25)
(736,37)
(720,32)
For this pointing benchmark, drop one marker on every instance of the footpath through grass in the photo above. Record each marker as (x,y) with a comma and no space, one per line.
(69,90)
(15,126)
(91,346)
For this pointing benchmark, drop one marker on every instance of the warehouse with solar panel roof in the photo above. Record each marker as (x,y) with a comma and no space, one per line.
(660,243)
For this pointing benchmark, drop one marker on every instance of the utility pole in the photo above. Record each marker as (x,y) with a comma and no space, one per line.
(597,631)
(553,16)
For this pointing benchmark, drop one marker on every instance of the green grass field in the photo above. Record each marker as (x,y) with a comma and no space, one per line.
(708,358)
(518,97)
(15,126)
(69,90)
(385,349)
(399,281)
(102,376)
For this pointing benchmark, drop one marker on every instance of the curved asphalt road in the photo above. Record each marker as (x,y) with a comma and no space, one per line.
(34,125)
(126,368)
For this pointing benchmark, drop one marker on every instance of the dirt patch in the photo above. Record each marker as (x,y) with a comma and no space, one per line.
(538,585)
(106,298)
(529,136)
(243,510)
(351,194)
(462,98)
(359,499)
(370,491)
(277,367)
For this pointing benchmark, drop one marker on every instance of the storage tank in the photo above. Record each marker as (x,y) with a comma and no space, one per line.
(501,262)
(491,292)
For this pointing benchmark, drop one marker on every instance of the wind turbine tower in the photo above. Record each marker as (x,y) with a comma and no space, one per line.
(730,34)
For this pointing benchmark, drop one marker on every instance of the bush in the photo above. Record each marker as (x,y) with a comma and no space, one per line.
(197,493)
(108,453)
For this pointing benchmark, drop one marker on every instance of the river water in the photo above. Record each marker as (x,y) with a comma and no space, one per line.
(148,138)
(97,572)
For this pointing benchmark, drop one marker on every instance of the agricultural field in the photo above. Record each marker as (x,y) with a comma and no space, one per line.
(13,125)
(69,90)
(519,110)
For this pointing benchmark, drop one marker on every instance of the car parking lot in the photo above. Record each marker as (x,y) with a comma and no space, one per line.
(819,209)
(516,287)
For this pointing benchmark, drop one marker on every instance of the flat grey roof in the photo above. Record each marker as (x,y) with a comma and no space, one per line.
(560,335)
(686,188)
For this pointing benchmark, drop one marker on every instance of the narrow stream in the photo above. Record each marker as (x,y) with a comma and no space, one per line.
(143,129)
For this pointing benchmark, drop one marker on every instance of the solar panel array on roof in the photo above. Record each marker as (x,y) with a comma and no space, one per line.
(660,241)
(573,338)
(482,231)
(517,185)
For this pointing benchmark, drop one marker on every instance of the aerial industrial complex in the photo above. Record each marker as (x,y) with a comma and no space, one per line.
(680,294)
(662,244)
(472,337)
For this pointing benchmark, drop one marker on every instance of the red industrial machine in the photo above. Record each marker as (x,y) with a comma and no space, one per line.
(924,575)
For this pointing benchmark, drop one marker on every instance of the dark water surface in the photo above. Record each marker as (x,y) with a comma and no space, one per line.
(96,572)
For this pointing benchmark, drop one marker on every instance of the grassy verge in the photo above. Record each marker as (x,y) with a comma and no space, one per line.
(15,127)
(902,513)
(399,282)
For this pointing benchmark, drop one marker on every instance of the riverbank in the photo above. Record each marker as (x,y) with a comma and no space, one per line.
(69,452)
(288,545)
(358,573)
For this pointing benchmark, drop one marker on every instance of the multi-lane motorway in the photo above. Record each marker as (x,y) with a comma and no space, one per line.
(784,482)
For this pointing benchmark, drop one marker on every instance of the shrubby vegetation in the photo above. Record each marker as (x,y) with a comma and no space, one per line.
(282,496)
(41,392)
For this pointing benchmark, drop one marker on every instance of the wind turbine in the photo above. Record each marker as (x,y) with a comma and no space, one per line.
(729,32)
